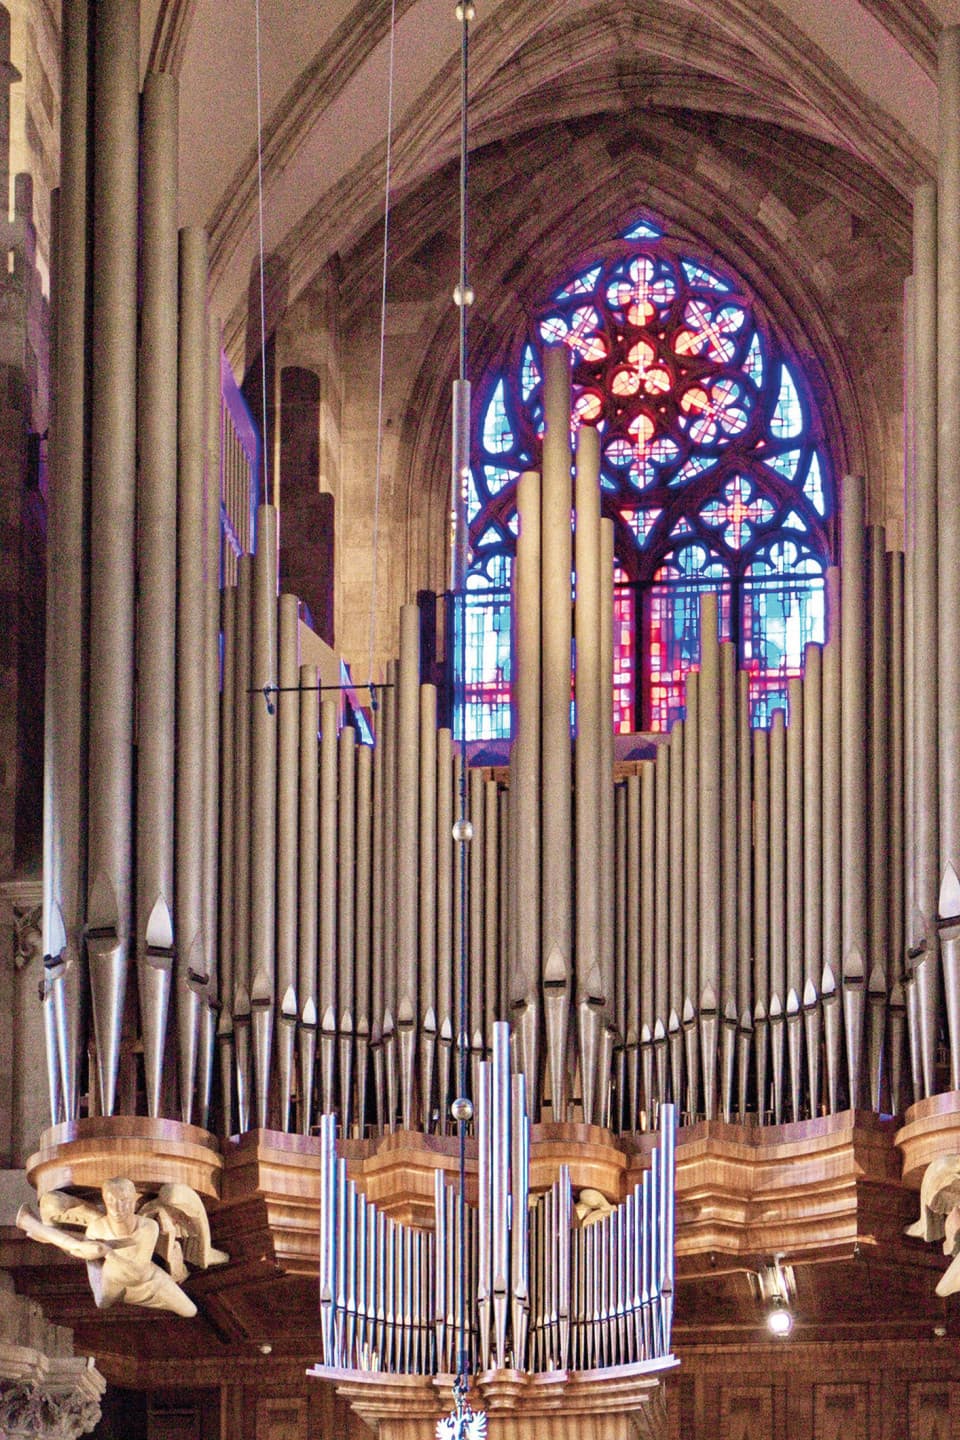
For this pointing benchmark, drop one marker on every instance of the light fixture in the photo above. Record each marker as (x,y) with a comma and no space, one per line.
(776,1291)
(779,1319)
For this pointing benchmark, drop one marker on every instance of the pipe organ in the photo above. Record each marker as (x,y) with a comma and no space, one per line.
(754,925)
(504,1283)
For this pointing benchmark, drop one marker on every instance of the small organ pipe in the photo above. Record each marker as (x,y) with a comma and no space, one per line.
(812,866)
(327,877)
(777,858)
(794,890)
(446,1024)
(263,806)
(475,857)
(389,899)
(228,709)
(745,861)
(662,912)
(191,447)
(853,793)
(491,936)
(241,847)
(525,787)
(729,781)
(691,890)
(211,719)
(606,767)
(427,889)
(363,922)
(832,909)
(761,914)
(407,834)
(898,790)
(677,908)
(648,954)
(346,917)
(636,980)
(307,890)
(881,802)
(288,778)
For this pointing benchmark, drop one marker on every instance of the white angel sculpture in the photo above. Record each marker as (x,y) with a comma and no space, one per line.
(119,1242)
(940,1216)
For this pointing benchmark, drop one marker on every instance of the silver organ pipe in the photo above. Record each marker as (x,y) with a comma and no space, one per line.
(754,948)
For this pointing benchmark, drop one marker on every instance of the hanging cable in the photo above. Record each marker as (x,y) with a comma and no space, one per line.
(463,830)
(378,465)
(263,289)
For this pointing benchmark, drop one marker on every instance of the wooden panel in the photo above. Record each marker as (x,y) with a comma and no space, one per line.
(840,1412)
(932,1414)
(746,1413)
(282,1419)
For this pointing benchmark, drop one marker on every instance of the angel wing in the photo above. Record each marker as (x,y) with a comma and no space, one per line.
(184,1230)
(939,1193)
(59,1208)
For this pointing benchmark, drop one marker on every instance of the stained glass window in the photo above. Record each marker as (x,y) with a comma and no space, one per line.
(713,469)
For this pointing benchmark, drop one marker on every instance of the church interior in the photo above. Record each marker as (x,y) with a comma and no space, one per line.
(480,804)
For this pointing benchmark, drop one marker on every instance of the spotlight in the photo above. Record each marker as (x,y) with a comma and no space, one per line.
(779,1320)
(775,1289)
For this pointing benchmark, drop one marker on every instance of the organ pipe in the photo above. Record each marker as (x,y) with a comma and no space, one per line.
(64,788)
(112,533)
(555,809)
(191,966)
(707,906)
(288,747)
(853,792)
(211,720)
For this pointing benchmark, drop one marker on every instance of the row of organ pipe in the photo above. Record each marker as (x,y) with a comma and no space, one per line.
(757,923)
(506,1282)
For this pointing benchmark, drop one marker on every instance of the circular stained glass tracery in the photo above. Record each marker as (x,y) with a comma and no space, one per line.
(713,471)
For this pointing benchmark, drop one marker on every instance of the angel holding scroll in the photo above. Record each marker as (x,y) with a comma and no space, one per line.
(119,1242)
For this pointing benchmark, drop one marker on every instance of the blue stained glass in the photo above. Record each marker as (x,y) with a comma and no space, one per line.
(641,522)
(753,361)
(691,468)
(785,464)
(513,524)
(529,373)
(497,432)
(496,476)
(583,285)
(787,418)
(813,485)
(642,230)
(474,502)
(706,393)
(493,535)
(699,275)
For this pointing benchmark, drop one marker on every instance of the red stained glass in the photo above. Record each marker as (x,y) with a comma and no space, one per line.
(711,460)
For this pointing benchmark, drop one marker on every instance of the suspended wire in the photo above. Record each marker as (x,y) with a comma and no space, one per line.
(263,301)
(463,298)
(378,466)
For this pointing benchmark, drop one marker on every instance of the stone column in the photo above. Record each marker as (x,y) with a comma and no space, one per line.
(45,1390)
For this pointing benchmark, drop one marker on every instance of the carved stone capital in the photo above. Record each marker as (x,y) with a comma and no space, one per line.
(51,1395)
(27,934)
